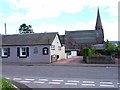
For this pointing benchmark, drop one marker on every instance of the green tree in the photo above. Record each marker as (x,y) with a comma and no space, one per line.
(109,46)
(25,29)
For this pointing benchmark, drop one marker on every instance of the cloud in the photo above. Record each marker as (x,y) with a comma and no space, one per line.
(42,9)
(110,28)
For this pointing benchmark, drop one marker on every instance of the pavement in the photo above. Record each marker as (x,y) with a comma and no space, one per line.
(20,86)
(78,61)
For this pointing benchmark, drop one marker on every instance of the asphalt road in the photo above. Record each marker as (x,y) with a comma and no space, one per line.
(63,76)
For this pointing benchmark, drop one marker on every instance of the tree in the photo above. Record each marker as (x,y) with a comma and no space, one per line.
(25,29)
(110,48)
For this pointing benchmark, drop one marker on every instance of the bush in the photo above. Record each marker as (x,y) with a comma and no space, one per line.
(86,52)
(5,84)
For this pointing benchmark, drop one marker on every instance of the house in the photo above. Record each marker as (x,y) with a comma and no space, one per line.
(75,41)
(31,48)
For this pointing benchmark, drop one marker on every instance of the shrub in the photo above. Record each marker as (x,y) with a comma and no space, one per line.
(86,52)
(5,84)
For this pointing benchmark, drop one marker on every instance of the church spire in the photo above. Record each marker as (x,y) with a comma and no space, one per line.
(98,22)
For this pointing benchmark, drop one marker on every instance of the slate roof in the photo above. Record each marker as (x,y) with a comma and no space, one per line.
(85,36)
(28,39)
(62,39)
(74,39)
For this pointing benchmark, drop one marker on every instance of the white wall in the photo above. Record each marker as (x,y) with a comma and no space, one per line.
(61,52)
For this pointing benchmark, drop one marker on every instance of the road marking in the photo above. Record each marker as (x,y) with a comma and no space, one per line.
(70,83)
(24,81)
(54,83)
(38,82)
(15,87)
(29,79)
(118,83)
(88,84)
(16,78)
(43,79)
(7,78)
(73,81)
(107,85)
(57,80)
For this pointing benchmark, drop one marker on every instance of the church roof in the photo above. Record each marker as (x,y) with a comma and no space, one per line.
(74,39)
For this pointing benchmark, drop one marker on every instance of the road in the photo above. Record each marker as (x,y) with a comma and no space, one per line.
(63,76)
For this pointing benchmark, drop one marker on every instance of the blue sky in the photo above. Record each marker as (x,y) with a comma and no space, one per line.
(59,15)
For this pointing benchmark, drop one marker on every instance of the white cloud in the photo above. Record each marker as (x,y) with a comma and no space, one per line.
(40,9)
(110,29)
(61,28)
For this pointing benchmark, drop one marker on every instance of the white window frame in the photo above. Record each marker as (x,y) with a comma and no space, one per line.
(59,48)
(4,50)
(23,50)
(53,47)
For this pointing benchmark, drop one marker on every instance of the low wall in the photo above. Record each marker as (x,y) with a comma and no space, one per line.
(100,60)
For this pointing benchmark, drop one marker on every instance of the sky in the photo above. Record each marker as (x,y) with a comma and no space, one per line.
(59,15)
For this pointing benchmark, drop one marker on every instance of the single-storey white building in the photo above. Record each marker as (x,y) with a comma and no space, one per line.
(31,48)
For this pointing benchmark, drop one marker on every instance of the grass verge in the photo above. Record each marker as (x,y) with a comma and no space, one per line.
(5,84)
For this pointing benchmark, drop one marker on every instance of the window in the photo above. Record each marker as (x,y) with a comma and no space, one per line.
(5,52)
(59,47)
(53,47)
(23,52)
(45,51)
(35,50)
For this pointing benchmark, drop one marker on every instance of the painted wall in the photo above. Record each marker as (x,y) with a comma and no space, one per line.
(57,50)
(33,57)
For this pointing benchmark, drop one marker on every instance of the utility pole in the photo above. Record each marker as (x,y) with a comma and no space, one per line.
(5,29)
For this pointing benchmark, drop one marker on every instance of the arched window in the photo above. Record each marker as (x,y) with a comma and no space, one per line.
(45,51)
(35,50)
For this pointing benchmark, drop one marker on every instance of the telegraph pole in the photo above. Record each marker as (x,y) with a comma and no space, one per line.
(5,29)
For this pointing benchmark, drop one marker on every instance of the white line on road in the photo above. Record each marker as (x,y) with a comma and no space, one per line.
(43,79)
(57,80)
(70,83)
(7,78)
(17,79)
(28,79)
(54,83)
(15,87)
(118,83)
(88,84)
(38,82)
(74,81)
(24,81)
(107,85)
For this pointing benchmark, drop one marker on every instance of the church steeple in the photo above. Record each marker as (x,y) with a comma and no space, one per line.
(98,22)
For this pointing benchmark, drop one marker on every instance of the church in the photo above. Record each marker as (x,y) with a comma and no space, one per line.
(78,39)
